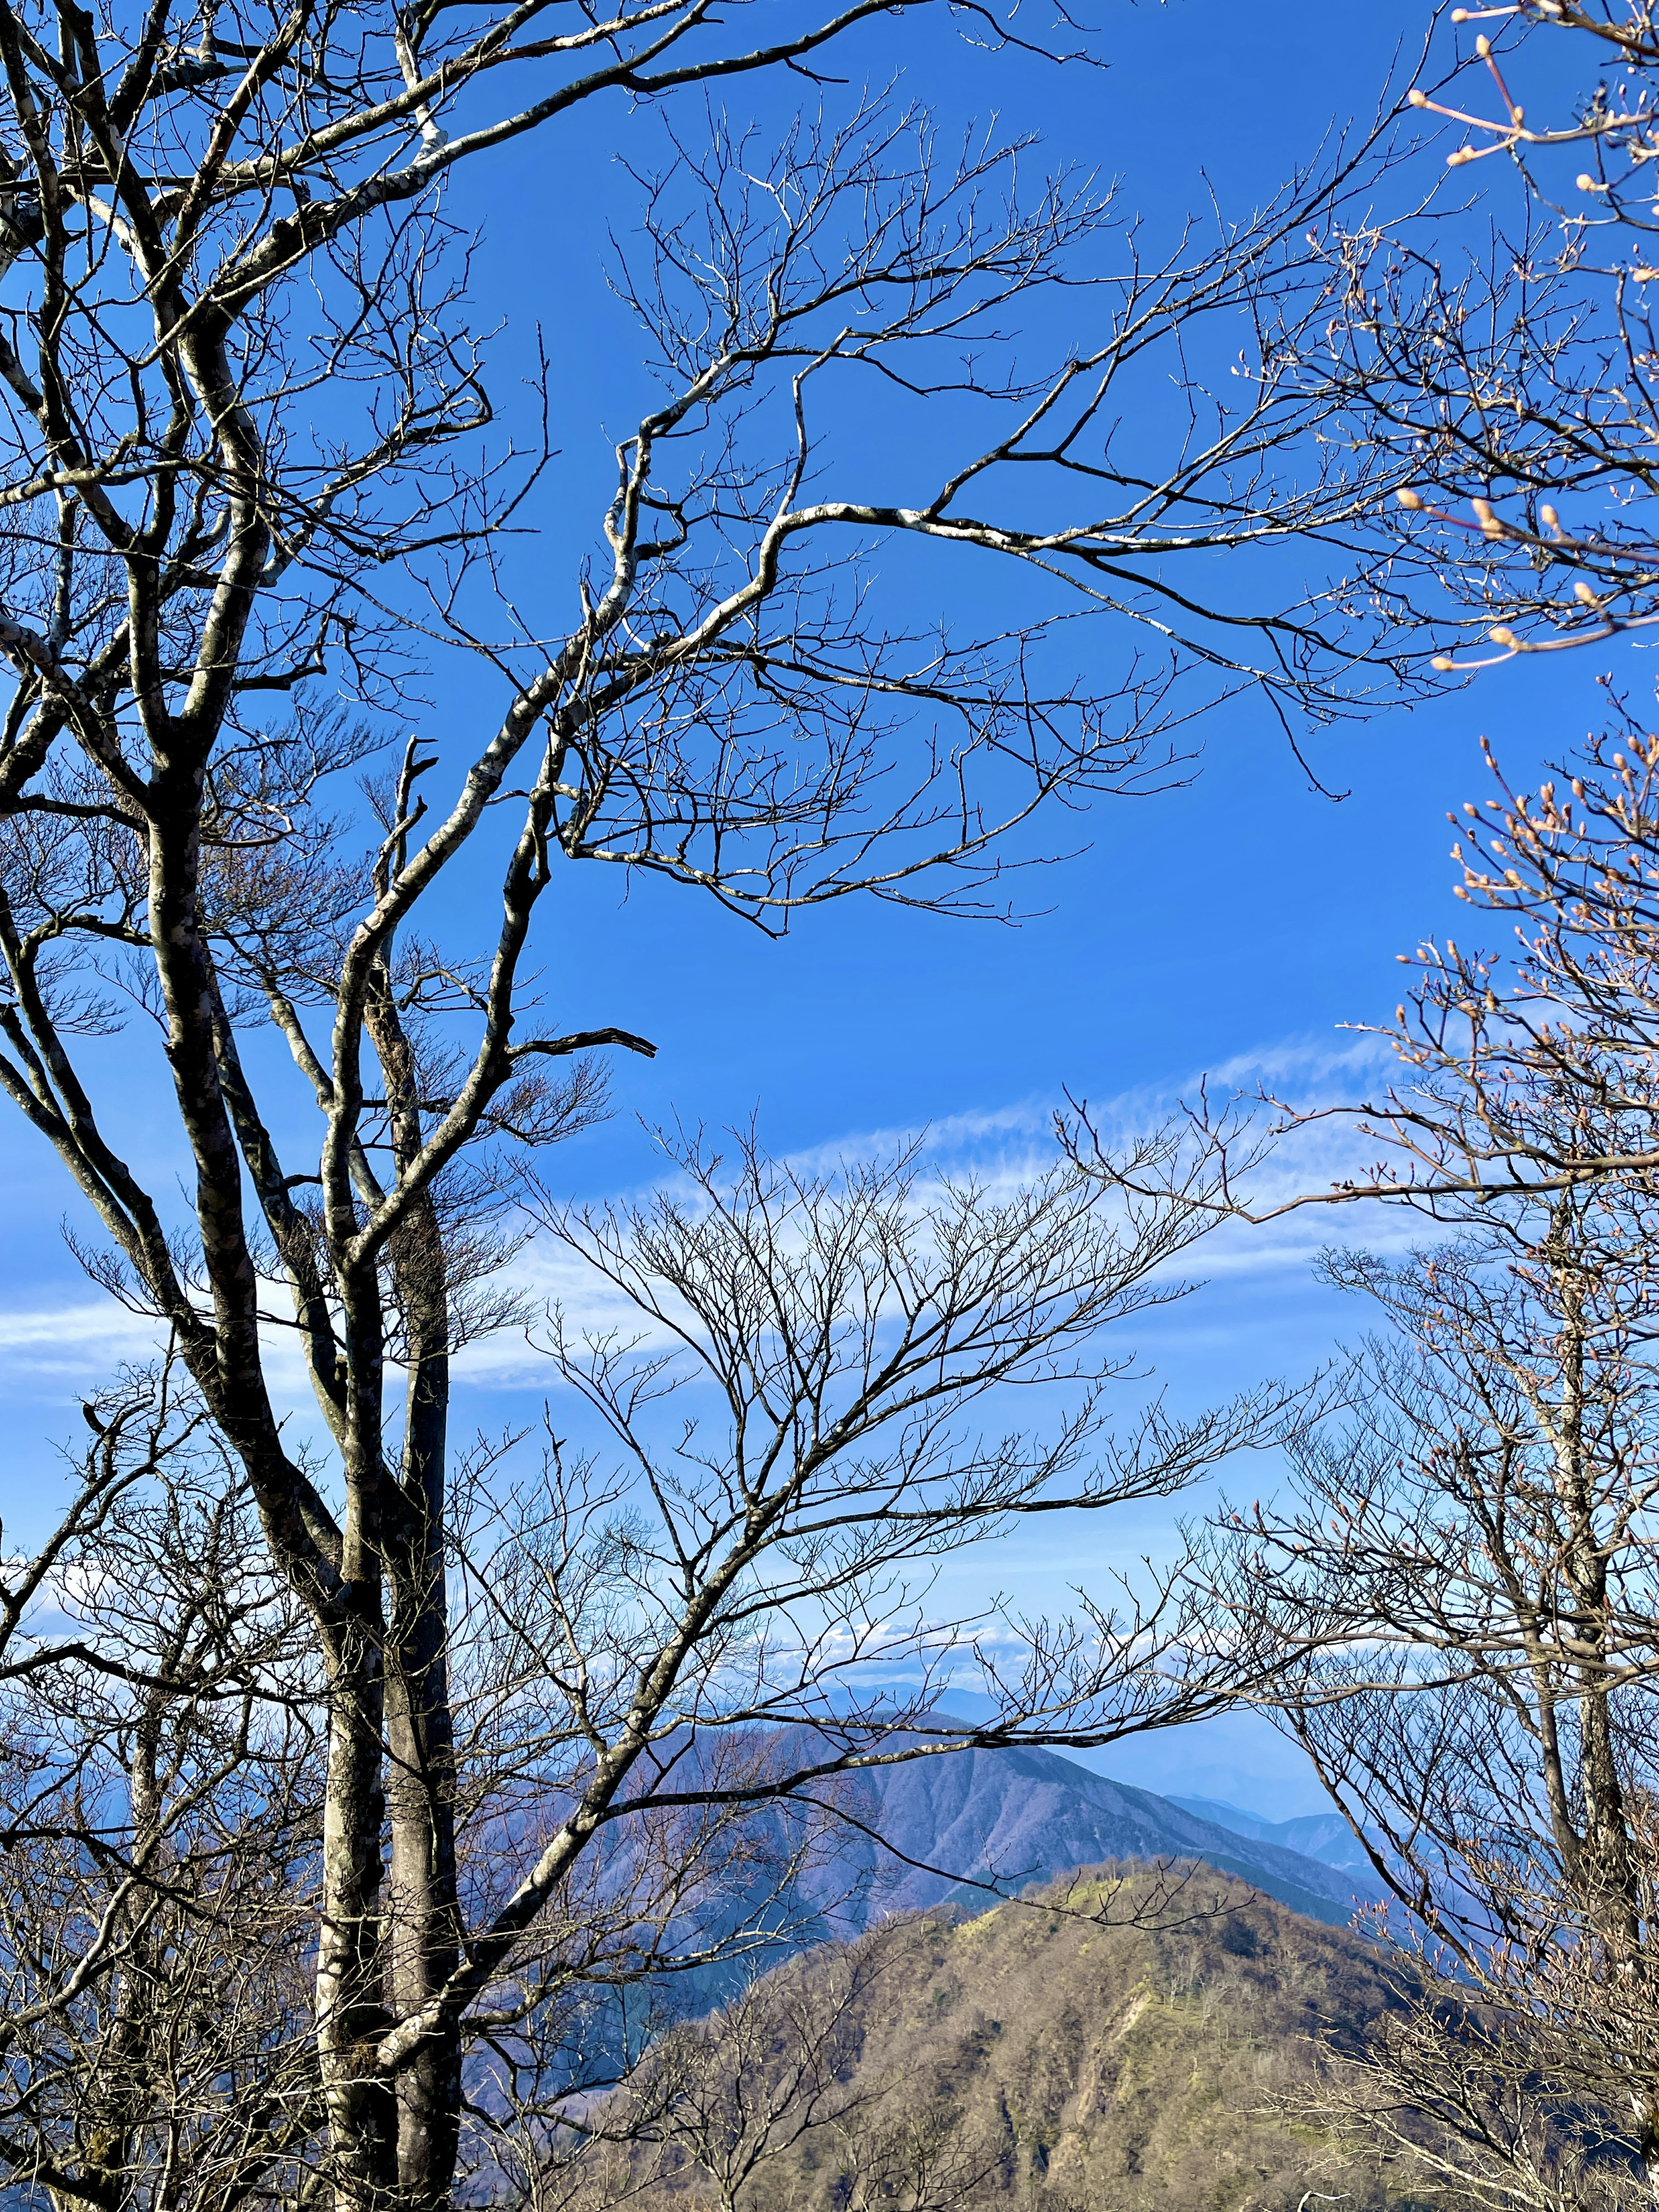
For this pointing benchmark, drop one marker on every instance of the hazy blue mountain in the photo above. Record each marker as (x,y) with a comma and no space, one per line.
(964,1829)
(1324,1836)
(967,1826)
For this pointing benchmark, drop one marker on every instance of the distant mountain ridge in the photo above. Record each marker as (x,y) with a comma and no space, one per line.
(958,1831)
(1324,1836)
(965,1827)
(974,1826)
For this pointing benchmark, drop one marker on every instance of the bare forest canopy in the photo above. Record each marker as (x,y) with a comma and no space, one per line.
(345,1762)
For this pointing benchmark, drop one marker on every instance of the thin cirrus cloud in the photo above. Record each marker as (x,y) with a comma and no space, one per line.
(89,1338)
(52,1348)
(1001,1147)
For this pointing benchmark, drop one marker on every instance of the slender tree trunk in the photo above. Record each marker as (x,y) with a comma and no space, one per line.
(351,2014)
(423,1929)
(424,1924)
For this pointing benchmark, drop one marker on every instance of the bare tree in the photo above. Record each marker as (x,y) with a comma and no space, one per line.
(720,2098)
(715,1616)
(1466,1561)
(663,1658)
(246,467)
(917,2160)
(1501,349)
(160,1784)
(1468,1565)
(770,2080)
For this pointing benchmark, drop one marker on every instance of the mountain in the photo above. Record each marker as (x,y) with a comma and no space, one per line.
(968,1826)
(1324,1836)
(958,1829)
(1081,2048)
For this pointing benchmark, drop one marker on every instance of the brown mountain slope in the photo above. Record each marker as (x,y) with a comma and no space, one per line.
(1033,2056)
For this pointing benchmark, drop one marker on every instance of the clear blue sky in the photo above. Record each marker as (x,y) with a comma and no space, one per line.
(1235,924)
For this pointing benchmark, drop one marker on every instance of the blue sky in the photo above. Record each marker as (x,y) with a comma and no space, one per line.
(1234,925)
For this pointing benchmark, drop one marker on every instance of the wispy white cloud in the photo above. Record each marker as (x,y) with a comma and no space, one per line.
(1003,1146)
(51,1347)
(1023,1126)
(1304,1064)
(87,1339)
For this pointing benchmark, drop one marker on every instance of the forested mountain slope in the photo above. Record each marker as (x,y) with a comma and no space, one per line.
(1010,1817)
(1064,2065)
(971,1827)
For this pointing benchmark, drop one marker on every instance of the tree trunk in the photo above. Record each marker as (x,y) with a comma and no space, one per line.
(423,1928)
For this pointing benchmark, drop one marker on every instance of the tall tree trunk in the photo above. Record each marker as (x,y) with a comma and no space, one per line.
(350,2011)
(352,2014)
(423,1919)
